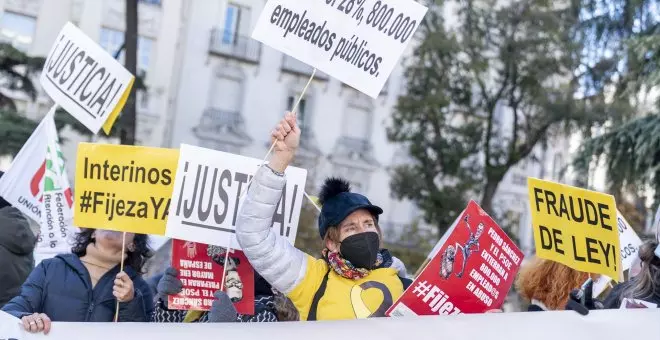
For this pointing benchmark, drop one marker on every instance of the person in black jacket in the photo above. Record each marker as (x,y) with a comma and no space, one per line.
(17,243)
(86,285)
(645,285)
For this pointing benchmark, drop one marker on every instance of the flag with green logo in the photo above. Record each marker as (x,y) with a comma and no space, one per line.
(56,206)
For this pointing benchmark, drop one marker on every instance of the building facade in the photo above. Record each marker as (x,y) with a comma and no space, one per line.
(210,84)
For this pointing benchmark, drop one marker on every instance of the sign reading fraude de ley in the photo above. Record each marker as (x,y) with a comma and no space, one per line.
(124,188)
(207,197)
(85,80)
(358,42)
(576,227)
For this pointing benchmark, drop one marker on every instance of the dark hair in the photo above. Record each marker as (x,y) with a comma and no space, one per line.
(647,283)
(135,259)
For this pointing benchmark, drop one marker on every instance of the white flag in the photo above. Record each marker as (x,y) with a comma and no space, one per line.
(22,184)
(37,185)
(56,206)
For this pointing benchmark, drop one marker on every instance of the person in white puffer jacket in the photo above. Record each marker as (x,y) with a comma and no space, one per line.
(354,279)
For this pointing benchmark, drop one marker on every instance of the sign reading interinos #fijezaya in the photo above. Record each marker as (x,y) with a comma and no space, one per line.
(124,188)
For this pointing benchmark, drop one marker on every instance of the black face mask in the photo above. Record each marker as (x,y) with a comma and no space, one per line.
(361,249)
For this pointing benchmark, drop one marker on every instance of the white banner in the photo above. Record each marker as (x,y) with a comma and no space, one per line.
(205,200)
(85,80)
(358,42)
(565,325)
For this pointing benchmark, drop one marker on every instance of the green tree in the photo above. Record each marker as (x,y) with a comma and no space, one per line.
(412,245)
(623,49)
(17,71)
(501,61)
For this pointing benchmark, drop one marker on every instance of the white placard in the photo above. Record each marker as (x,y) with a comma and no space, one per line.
(84,79)
(565,325)
(358,42)
(205,199)
(629,244)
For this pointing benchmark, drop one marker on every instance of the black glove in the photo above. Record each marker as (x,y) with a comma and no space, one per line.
(222,309)
(169,284)
(582,300)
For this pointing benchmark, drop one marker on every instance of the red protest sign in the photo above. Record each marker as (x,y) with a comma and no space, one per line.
(471,273)
(200,271)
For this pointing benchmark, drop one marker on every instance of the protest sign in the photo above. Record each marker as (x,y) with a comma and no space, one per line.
(85,80)
(438,245)
(470,273)
(629,242)
(575,227)
(200,269)
(207,197)
(358,42)
(124,188)
(565,325)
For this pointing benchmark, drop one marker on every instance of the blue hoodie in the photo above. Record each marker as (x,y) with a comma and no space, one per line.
(62,289)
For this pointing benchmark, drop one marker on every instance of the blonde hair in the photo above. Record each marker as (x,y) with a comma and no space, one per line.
(549,282)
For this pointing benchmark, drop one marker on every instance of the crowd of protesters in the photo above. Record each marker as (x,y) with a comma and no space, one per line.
(290,285)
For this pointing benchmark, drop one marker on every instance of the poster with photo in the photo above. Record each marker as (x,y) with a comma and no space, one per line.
(200,269)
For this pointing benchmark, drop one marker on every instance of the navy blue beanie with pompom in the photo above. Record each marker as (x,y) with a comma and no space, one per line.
(337,202)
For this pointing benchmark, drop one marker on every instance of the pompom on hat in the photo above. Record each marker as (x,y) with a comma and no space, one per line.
(337,202)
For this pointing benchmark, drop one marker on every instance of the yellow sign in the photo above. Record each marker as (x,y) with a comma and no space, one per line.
(576,227)
(124,188)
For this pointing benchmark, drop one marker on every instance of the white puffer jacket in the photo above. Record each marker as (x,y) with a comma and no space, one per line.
(272,256)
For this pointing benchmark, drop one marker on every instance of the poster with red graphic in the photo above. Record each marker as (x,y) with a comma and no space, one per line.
(200,270)
(471,272)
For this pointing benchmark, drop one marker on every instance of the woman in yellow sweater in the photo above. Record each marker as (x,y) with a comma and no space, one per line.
(354,279)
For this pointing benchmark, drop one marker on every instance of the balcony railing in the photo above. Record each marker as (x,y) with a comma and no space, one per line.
(214,119)
(355,151)
(297,67)
(232,45)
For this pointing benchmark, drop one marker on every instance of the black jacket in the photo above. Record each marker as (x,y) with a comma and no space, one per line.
(615,297)
(17,243)
(62,289)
